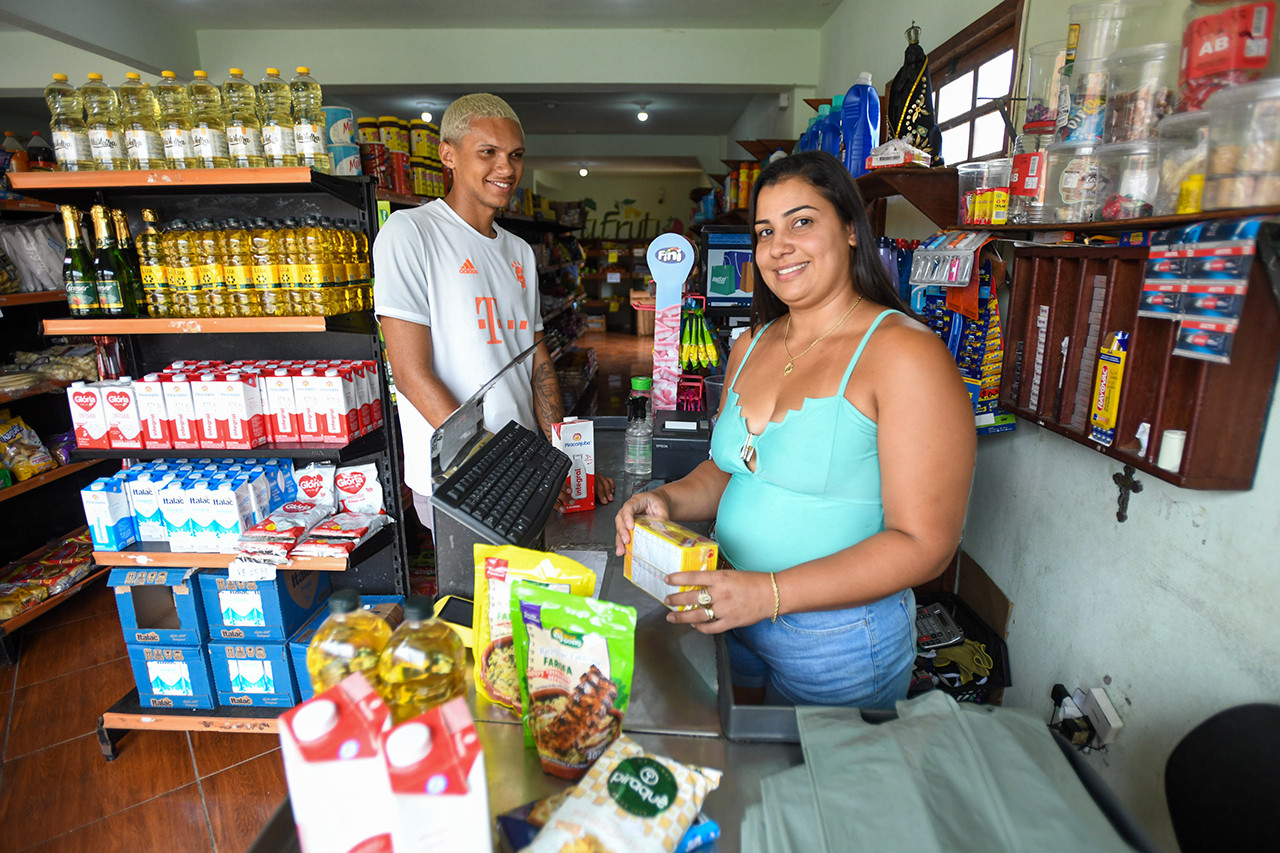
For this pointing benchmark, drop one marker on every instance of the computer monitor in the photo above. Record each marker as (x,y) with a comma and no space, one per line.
(728,275)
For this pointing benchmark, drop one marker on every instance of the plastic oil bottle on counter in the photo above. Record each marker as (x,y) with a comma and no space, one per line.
(178,244)
(77,267)
(151,268)
(309,131)
(67,129)
(102,117)
(138,112)
(208,128)
(237,268)
(423,663)
(264,253)
(276,105)
(244,130)
(349,640)
(174,102)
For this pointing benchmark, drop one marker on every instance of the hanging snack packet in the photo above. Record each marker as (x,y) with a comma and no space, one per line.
(358,490)
(315,484)
(21,449)
(496,567)
(630,801)
(575,656)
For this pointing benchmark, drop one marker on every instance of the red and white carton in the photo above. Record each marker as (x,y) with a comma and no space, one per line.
(439,796)
(282,410)
(239,401)
(124,425)
(210,418)
(88,415)
(341,406)
(307,398)
(365,385)
(157,430)
(354,373)
(181,410)
(375,391)
(577,439)
(338,783)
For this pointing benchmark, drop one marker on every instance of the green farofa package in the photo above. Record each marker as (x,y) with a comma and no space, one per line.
(575,657)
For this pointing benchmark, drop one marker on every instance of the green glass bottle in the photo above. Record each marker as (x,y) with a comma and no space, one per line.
(77,268)
(110,271)
(128,256)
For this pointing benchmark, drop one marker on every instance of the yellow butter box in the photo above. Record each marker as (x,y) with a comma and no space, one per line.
(659,548)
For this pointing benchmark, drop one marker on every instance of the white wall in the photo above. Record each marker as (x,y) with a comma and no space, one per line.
(660,196)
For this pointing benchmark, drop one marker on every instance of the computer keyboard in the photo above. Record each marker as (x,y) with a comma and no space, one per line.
(508,487)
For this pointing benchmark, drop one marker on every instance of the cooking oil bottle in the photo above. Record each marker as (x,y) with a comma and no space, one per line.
(178,245)
(244,131)
(310,134)
(339,263)
(276,106)
(291,266)
(237,267)
(316,274)
(423,663)
(208,255)
(365,273)
(151,266)
(102,117)
(138,112)
(208,128)
(67,131)
(264,254)
(174,101)
(349,640)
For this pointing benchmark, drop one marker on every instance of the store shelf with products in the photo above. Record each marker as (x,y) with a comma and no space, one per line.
(197,325)
(365,445)
(14,299)
(9,626)
(64,187)
(1148,223)
(47,478)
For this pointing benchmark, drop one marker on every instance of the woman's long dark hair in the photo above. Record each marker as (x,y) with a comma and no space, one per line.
(828,176)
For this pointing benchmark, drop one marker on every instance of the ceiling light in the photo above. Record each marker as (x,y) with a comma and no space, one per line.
(642,115)
(426,116)
(582,172)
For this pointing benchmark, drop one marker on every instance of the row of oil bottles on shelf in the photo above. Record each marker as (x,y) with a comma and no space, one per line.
(312,266)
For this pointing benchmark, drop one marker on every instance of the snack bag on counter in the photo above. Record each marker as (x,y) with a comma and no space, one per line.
(659,548)
(21,449)
(575,657)
(496,567)
(629,801)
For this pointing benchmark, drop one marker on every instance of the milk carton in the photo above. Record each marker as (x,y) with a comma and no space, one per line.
(282,411)
(211,418)
(439,796)
(157,431)
(106,511)
(144,496)
(307,400)
(342,409)
(177,520)
(577,439)
(180,410)
(124,425)
(338,784)
(231,514)
(259,486)
(364,402)
(88,415)
(200,516)
(241,406)
(374,379)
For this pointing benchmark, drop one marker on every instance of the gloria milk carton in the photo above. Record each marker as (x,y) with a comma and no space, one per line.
(577,439)
(88,415)
(124,425)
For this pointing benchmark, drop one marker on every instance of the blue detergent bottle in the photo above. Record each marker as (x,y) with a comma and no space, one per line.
(806,139)
(829,130)
(860,121)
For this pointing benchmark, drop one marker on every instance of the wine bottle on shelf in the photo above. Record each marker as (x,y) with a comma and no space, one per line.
(110,272)
(129,258)
(77,267)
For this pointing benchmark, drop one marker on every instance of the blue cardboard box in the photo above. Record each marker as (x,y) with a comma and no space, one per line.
(159,606)
(253,674)
(260,610)
(172,676)
(389,607)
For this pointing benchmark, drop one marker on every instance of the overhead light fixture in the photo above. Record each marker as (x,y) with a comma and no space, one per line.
(426,116)
(582,172)
(426,109)
(643,115)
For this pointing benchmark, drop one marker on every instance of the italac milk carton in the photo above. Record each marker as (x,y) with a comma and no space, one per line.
(231,514)
(124,425)
(177,521)
(211,418)
(577,439)
(338,785)
(439,797)
(282,411)
(240,406)
(88,415)
(157,432)
(107,512)
(200,515)
(259,490)
(180,410)
(144,496)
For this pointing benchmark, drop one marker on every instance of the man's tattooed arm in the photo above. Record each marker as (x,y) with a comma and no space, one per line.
(547,403)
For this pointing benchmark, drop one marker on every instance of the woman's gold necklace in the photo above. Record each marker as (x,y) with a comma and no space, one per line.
(786,371)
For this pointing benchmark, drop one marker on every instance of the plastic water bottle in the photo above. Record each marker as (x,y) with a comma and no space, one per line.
(423,663)
(642,386)
(174,101)
(350,640)
(208,128)
(309,131)
(276,103)
(102,116)
(138,113)
(639,439)
(244,130)
(67,129)
(40,157)
(860,123)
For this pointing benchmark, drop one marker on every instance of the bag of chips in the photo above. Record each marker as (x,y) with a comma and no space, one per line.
(575,657)
(496,567)
(23,453)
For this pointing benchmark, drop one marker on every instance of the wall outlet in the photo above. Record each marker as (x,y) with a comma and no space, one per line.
(1102,714)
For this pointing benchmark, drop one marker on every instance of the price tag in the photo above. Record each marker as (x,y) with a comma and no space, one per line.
(242,570)
(613,257)
(613,277)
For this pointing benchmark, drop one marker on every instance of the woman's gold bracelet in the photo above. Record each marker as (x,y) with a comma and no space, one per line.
(776,601)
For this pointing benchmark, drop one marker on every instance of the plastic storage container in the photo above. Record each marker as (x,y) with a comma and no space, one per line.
(1244,147)
(1071,182)
(972,177)
(1097,30)
(1128,177)
(1225,44)
(1141,83)
(1027,178)
(1044,63)
(1184,154)
(1086,118)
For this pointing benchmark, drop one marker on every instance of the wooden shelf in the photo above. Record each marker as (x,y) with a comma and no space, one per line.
(1149,223)
(47,477)
(307,451)
(38,298)
(934,192)
(73,186)
(128,714)
(156,555)
(203,325)
(34,612)
(756,148)
(29,206)
(46,386)
(817,102)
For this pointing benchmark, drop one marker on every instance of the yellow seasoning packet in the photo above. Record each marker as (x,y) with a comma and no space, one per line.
(496,568)
(658,548)
(630,801)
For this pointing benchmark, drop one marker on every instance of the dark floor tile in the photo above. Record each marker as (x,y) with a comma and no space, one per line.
(72,647)
(216,751)
(174,823)
(65,707)
(93,600)
(6,700)
(9,671)
(242,799)
(48,793)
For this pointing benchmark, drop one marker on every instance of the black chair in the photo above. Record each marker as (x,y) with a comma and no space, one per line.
(1223,779)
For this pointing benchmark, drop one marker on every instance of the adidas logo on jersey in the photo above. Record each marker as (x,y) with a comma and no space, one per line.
(468,268)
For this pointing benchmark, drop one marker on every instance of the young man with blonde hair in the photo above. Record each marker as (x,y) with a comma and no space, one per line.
(457,295)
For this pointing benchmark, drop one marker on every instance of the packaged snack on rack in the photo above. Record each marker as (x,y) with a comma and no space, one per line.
(1184,156)
(947,258)
(315,484)
(23,453)
(357,489)
(1140,90)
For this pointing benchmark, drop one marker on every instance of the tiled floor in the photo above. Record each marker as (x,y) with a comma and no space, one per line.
(204,792)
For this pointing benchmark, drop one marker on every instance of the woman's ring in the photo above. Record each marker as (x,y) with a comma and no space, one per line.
(711,614)
(704,597)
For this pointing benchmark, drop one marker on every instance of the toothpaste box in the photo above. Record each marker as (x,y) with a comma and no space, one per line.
(180,411)
(107,512)
(172,676)
(88,415)
(258,674)
(281,408)
(240,411)
(577,439)
(659,548)
(159,606)
(144,497)
(124,426)
(157,432)
(211,418)
(177,520)
(260,610)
